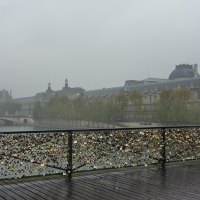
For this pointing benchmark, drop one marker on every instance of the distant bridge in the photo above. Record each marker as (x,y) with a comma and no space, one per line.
(13,120)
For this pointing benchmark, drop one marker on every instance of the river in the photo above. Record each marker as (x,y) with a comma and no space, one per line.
(25,128)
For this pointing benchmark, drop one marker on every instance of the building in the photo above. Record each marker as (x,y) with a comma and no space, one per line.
(5,95)
(28,102)
(183,76)
(71,93)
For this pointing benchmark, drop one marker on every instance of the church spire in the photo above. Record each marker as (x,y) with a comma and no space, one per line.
(66,83)
(49,85)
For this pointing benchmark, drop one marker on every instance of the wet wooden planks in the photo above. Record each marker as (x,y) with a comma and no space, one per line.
(176,182)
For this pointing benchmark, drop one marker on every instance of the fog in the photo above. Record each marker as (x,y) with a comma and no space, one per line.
(94,43)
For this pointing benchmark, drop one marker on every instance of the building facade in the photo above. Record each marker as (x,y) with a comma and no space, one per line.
(5,95)
(183,76)
(43,97)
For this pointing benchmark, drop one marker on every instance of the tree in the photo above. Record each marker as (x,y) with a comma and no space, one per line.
(96,109)
(172,107)
(10,107)
(37,111)
(120,102)
(136,99)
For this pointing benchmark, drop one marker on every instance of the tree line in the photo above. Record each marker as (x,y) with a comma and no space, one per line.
(9,107)
(174,107)
(177,107)
(108,109)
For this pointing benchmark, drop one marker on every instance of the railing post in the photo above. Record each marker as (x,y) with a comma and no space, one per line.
(163,153)
(70,151)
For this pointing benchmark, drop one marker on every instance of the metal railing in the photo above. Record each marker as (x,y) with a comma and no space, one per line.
(69,151)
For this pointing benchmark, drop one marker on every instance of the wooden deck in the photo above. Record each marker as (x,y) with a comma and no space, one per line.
(179,181)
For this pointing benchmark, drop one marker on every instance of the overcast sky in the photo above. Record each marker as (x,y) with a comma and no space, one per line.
(94,43)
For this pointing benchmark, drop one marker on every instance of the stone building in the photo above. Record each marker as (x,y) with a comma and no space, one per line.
(183,76)
(5,95)
(71,93)
(26,106)
(43,97)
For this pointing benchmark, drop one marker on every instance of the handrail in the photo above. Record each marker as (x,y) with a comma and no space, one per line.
(99,129)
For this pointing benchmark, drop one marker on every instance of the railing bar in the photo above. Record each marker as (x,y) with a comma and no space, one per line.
(97,129)
(34,162)
(163,133)
(70,155)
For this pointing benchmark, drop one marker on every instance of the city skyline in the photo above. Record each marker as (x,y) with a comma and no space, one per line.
(181,73)
(95,44)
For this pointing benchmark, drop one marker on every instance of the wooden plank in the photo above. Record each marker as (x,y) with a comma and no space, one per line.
(54,190)
(30,192)
(41,192)
(83,194)
(125,189)
(175,183)
(51,191)
(98,192)
(159,187)
(4,194)
(146,190)
(68,190)
(178,182)
(10,193)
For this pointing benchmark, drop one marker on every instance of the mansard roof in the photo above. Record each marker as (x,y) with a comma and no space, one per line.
(105,92)
(149,87)
(26,100)
(183,71)
(169,84)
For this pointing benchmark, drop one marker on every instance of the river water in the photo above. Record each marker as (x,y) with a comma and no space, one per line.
(26,128)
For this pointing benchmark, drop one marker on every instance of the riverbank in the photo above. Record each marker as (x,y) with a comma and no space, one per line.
(55,125)
(72,124)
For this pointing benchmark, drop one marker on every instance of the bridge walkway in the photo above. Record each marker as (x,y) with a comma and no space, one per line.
(178,181)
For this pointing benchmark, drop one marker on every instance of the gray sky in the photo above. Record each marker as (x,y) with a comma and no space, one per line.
(95,43)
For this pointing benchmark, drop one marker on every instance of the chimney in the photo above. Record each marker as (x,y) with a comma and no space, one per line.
(196,71)
(11,94)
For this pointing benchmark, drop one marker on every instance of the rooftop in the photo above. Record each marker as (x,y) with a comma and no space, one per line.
(184,71)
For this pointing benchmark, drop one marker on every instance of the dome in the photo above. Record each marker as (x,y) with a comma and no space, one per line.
(183,71)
